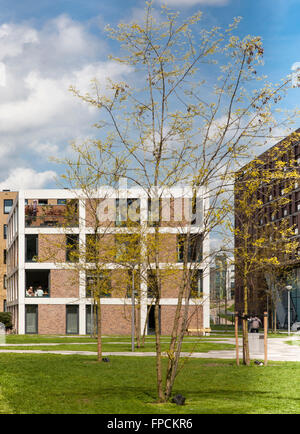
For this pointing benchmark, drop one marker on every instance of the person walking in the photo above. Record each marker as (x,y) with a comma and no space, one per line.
(254,325)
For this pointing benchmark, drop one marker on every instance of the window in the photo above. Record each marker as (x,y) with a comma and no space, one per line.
(37,280)
(61,201)
(5,232)
(91,317)
(151,284)
(194,247)
(43,201)
(89,285)
(92,248)
(127,212)
(31,248)
(7,205)
(4,256)
(72,319)
(98,284)
(31,319)
(4,281)
(127,248)
(72,248)
(197,283)
(154,211)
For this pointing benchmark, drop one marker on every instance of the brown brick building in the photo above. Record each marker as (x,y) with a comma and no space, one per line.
(6,200)
(39,257)
(280,203)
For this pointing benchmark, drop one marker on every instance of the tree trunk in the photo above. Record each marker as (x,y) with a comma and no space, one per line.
(177,331)
(246,355)
(145,325)
(173,362)
(138,324)
(99,331)
(158,353)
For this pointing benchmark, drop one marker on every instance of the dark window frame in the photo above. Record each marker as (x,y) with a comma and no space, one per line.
(77,319)
(27,236)
(72,244)
(5,205)
(27,306)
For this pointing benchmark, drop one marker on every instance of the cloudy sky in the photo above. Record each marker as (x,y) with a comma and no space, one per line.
(48,45)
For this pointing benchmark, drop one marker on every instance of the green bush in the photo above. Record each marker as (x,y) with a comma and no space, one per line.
(5,318)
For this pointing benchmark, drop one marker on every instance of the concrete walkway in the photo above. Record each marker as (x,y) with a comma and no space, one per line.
(278,350)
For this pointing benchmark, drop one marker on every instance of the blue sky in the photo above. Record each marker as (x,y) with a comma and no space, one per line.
(46,46)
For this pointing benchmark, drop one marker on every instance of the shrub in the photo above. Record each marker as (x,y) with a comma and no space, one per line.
(5,318)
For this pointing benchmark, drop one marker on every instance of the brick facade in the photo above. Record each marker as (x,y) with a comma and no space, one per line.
(67,299)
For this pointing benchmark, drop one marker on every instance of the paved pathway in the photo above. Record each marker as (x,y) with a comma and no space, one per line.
(278,350)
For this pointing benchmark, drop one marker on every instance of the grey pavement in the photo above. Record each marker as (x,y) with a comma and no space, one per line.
(278,350)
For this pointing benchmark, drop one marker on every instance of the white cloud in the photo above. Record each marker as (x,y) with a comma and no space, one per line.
(39,117)
(25,178)
(188,3)
(14,38)
(47,148)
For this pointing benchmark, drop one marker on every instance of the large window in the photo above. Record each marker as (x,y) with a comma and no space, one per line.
(7,205)
(151,284)
(37,283)
(196,283)
(91,319)
(72,319)
(127,212)
(31,248)
(31,319)
(154,211)
(127,248)
(192,247)
(98,284)
(72,248)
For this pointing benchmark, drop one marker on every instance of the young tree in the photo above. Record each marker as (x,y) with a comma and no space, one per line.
(169,125)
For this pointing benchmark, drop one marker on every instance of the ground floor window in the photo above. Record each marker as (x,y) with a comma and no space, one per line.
(91,319)
(72,317)
(31,319)
(151,319)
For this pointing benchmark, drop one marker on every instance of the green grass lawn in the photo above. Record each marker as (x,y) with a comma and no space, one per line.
(46,383)
(110,343)
(202,346)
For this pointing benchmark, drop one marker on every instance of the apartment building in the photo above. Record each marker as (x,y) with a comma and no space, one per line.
(6,200)
(280,203)
(48,294)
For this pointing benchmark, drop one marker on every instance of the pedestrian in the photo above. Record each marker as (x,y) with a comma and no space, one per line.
(254,326)
(249,322)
